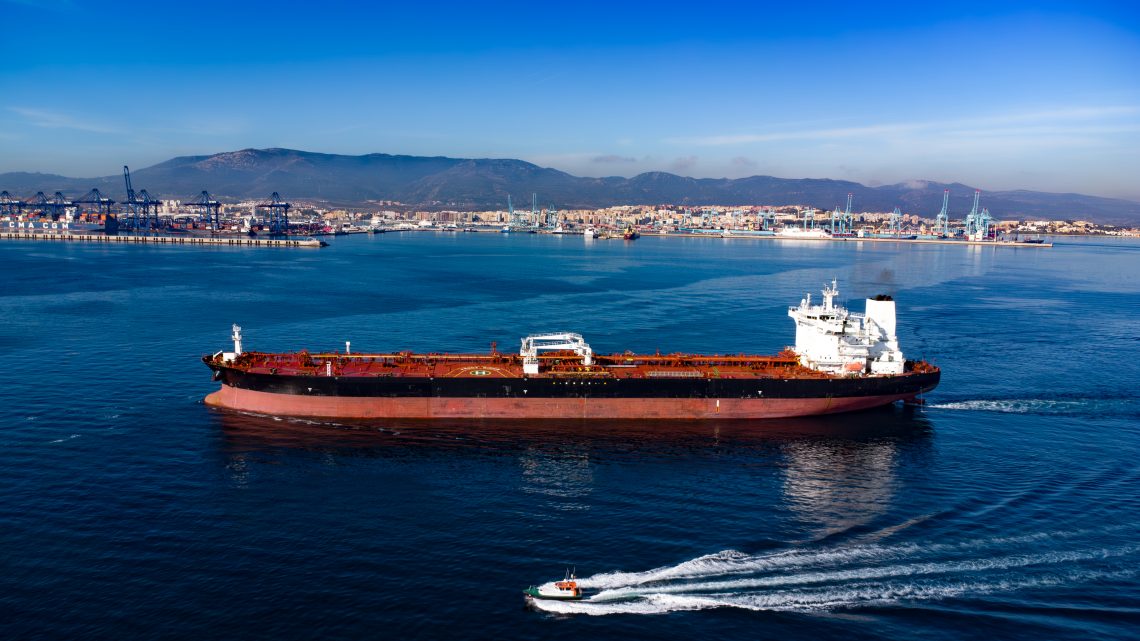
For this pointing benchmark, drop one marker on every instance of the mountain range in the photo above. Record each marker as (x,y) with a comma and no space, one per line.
(473,184)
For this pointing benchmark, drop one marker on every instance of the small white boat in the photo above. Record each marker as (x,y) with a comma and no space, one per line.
(565,590)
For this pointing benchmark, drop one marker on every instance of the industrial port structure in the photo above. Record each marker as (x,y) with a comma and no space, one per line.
(138,212)
(141,213)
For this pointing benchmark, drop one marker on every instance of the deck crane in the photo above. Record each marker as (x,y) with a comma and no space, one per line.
(278,214)
(942,222)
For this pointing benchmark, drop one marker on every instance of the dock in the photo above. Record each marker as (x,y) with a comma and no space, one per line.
(199,241)
(869,239)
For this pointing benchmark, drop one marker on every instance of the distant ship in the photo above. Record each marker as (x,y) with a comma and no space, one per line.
(800,232)
(19,224)
(842,361)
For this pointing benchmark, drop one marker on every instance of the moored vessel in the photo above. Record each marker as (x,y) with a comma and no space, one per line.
(802,232)
(842,361)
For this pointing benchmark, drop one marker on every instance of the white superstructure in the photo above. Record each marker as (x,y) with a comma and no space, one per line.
(535,343)
(799,232)
(831,339)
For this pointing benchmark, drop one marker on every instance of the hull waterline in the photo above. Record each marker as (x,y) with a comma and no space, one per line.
(539,408)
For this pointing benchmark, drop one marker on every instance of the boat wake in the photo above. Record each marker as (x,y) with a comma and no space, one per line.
(851,577)
(1058,406)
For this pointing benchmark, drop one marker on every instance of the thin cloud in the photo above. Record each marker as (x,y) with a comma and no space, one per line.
(47,119)
(613,158)
(1055,122)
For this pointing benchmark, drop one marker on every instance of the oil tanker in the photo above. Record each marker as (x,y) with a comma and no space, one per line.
(842,361)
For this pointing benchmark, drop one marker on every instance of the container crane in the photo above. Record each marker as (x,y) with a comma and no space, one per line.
(278,214)
(208,208)
(896,222)
(976,221)
(848,225)
(54,206)
(101,202)
(768,218)
(141,207)
(942,221)
(9,205)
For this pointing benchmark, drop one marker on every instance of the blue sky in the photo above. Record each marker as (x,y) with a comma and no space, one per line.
(1043,96)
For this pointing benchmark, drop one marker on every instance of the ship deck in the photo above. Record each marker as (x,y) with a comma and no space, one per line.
(552,365)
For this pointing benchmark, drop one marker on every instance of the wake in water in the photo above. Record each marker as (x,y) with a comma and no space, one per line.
(847,577)
(1046,406)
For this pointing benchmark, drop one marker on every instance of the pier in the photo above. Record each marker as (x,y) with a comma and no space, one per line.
(868,239)
(198,241)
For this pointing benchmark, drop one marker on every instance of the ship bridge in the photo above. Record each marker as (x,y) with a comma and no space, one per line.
(831,339)
(566,341)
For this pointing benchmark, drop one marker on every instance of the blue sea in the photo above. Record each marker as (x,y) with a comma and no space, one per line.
(1008,507)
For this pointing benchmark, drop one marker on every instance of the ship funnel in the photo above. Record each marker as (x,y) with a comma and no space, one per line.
(881,311)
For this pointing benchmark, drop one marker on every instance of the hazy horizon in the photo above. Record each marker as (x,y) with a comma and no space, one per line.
(1042,97)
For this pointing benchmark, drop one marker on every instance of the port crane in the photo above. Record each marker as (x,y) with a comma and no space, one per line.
(767,218)
(278,214)
(842,221)
(140,204)
(809,218)
(101,202)
(9,205)
(978,223)
(942,221)
(55,205)
(209,209)
(896,222)
(514,216)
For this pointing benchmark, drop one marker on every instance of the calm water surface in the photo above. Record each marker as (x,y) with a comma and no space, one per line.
(1009,507)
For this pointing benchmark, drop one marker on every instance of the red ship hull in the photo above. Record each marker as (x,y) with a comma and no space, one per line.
(538,408)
